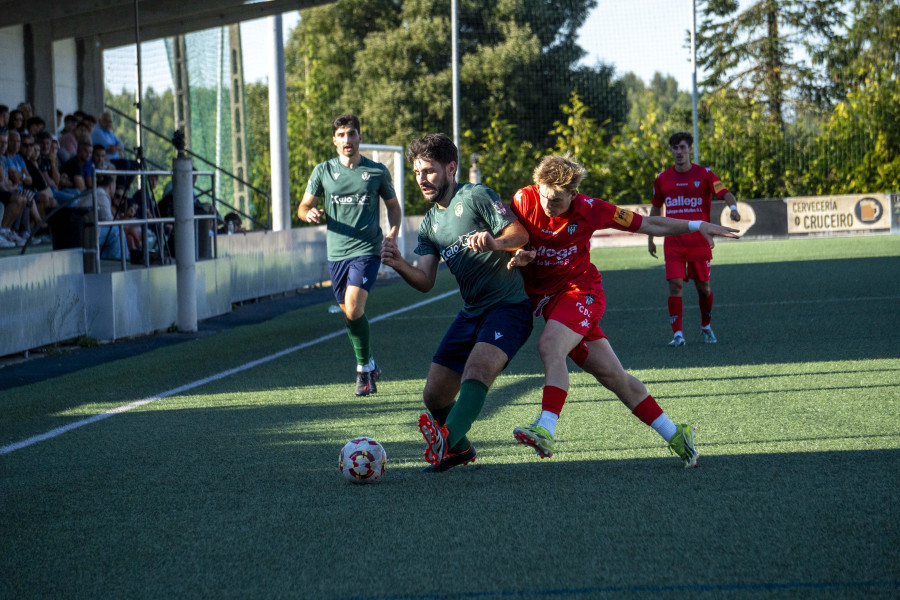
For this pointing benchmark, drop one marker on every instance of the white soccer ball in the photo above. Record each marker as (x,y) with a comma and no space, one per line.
(362,460)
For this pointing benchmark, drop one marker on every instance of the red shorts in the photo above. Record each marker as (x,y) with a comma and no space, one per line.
(696,270)
(579,311)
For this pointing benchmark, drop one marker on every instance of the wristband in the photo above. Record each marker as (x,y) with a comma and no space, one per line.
(694,226)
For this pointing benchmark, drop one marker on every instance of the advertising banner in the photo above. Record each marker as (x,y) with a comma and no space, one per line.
(826,214)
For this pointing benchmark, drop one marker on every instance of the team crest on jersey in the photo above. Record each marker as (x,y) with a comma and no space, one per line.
(434,227)
(365,175)
(588,299)
(696,183)
(500,207)
(335,175)
(458,210)
(623,217)
(571,228)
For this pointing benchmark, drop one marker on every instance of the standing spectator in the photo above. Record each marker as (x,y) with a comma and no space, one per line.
(470,228)
(686,191)
(351,185)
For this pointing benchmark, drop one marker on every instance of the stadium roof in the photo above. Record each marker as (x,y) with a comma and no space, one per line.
(113,21)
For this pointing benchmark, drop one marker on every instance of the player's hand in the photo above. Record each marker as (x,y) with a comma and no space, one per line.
(709,230)
(651,246)
(521,258)
(482,241)
(313,215)
(390,252)
(735,215)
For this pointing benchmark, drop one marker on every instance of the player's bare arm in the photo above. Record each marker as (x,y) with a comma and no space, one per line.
(394,216)
(307,210)
(655,211)
(732,202)
(664,226)
(421,277)
(511,238)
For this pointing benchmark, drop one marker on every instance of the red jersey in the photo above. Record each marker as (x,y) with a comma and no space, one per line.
(687,196)
(563,243)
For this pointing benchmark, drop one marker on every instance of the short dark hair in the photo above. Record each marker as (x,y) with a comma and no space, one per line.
(85,143)
(345,120)
(43,135)
(99,147)
(3,109)
(434,146)
(35,121)
(681,136)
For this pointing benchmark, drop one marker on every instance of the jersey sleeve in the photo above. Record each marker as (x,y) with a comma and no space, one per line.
(604,215)
(492,209)
(424,244)
(718,188)
(315,187)
(657,199)
(386,189)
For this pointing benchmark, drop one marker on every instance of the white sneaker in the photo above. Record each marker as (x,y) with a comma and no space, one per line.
(708,336)
(5,242)
(678,340)
(15,238)
(36,240)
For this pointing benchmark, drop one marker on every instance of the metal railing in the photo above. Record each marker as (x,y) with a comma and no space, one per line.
(146,222)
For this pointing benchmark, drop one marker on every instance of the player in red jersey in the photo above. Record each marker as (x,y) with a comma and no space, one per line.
(686,191)
(564,286)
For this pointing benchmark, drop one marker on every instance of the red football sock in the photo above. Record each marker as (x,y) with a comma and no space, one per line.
(675,312)
(553,399)
(647,411)
(706,303)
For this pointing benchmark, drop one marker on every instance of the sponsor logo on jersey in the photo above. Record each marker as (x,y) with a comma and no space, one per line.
(458,209)
(497,335)
(623,217)
(350,199)
(585,323)
(681,184)
(553,256)
(572,228)
(549,231)
(589,202)
(672,202)
(718,187)
(462,242)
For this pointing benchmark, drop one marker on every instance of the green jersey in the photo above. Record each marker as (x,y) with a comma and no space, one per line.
(484,281)
(351,205)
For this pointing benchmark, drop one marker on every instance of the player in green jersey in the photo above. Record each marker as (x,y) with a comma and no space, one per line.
(474,232)
(350,185)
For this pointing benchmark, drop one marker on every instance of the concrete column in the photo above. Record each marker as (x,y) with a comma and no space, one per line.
(39,84)
(90,75)
(185,261)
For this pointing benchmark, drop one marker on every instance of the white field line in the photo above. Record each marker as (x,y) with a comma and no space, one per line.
(188,386)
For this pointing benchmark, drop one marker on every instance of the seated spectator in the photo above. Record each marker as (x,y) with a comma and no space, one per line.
(13,202)
(44,201)
(14,164)
(68,143)
(16,121)
(123,210)
(109,237)
(4,118)
(26,110)
(35,125)
(103,134)
(73,174)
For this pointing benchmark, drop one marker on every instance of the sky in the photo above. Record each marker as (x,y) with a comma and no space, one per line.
(639,36)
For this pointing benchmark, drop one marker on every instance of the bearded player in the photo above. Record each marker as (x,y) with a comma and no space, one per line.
(686,191)
(565,287)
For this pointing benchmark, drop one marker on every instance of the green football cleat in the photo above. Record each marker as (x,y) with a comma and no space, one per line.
(537,437)
(682,444)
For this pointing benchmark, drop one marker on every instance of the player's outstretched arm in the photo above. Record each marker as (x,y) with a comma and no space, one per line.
(664,226)
(422,277)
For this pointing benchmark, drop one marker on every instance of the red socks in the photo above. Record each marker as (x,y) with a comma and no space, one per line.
(675,313)
(553,399)
(706,303)
(647,411)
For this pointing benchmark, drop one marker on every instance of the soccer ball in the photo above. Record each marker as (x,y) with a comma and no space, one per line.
(362,460)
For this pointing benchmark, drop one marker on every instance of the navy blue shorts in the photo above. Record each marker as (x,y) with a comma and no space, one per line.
(361,271)
(506,326)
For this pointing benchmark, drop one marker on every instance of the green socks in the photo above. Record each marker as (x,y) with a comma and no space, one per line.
(467,408)
(358,331)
